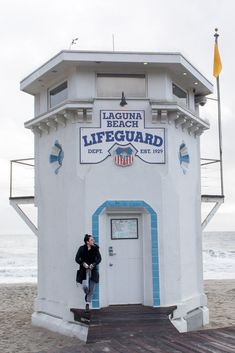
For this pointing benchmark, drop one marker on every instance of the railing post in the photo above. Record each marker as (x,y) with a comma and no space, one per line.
(10,179)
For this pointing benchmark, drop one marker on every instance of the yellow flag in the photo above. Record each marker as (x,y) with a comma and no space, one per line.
(217,62)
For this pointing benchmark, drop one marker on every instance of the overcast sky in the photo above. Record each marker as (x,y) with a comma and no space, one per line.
(32,31)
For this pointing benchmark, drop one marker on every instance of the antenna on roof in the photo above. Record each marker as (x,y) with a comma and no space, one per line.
(74,41)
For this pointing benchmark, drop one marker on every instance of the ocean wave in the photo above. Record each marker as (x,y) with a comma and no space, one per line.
(220,253)
(18,257)
(18,272)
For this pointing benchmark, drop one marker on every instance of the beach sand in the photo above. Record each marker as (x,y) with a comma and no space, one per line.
(17,335)
(221,302)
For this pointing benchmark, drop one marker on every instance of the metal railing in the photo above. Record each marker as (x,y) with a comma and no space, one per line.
(210,177)
(22,178)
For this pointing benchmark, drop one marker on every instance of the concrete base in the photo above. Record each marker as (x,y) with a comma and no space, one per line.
(58,325)
(180,324)
(194,320)
(206,316)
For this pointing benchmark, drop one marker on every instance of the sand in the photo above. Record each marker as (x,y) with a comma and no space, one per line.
(221,302)
(17,335)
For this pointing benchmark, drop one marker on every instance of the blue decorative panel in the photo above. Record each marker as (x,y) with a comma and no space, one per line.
(154,240)
(184,157)
(56,156)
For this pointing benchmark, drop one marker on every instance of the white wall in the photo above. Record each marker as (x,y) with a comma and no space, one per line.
(159,85)
(67,201)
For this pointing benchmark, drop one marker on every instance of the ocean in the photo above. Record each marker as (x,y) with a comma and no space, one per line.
(18,257)
(219,255)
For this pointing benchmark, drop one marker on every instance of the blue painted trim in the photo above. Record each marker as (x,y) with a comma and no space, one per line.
(154,240)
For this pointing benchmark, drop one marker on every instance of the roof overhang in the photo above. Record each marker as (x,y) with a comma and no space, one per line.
(179,67)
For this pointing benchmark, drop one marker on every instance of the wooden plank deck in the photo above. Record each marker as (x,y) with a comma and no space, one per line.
(139,329)
(121,321)
(220,340)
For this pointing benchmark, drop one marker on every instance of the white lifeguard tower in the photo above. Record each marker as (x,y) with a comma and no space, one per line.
(117,154)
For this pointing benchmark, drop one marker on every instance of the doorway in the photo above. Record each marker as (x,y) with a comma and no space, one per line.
(149,284)
(124,259)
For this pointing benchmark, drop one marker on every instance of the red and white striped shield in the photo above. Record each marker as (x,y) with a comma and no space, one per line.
(123,156)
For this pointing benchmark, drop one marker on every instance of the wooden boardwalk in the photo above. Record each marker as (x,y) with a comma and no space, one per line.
(132,329)
(121,321)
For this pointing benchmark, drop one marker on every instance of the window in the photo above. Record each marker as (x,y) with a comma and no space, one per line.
(58,94)
(124,228)
(179,95)
(112,85)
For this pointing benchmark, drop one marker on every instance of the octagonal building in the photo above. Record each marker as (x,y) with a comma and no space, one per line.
(117,155)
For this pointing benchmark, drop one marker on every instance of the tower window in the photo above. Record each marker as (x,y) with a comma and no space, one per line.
(112,85)
(58,94)
(179,95)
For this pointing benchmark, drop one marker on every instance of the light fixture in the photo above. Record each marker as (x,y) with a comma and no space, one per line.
(145,63)
(196,83)
(123,100)
(185,73)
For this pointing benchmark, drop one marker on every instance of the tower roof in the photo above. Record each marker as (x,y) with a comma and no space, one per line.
(176,64)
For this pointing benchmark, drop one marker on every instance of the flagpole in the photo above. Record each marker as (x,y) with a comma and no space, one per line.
(220,137)
(216,35)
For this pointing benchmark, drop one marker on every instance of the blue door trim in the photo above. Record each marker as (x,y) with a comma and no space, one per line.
(154,240)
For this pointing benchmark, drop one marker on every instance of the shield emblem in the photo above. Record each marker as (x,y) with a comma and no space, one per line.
(123,156)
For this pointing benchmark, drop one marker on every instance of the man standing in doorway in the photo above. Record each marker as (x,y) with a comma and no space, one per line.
(88,257)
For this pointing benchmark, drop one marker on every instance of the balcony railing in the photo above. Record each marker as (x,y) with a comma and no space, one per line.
(22,188)
(22,178)
(211,189)
(210,176)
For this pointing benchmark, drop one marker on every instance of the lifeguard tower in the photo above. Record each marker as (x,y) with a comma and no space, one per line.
(117,154)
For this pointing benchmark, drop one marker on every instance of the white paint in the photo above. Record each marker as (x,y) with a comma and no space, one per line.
(67,201)
(180,324)
(125,268)
(175,62)
(58,325)
(206,316)
(139,287)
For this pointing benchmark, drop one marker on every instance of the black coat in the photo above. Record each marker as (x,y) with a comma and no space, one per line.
(91,256)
